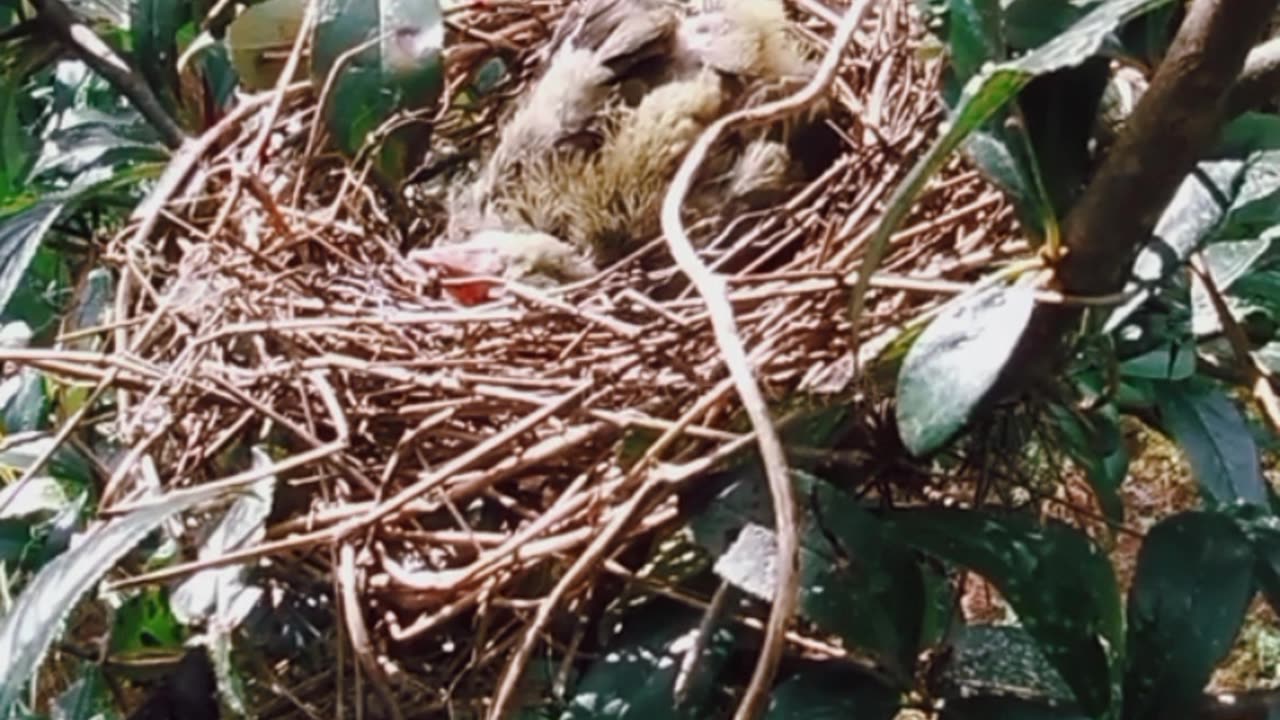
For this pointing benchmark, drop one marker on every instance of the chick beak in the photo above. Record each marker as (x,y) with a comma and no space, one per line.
(473,273)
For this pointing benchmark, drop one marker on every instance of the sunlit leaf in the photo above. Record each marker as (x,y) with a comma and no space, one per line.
(956,361)
(1000,660)
(145,624)
(37,615)
(1060,585)
(1213,433)
(1193,584)
(220,595)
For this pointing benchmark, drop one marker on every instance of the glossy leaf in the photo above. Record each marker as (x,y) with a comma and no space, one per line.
(1192,586)
(1060,585)
(37,615)
(983,97)
(154,26)
(823,691)
(1231,195)
(24,402)
(856,581)
(20,235)
(1213,433)
(404,71)
(634,677)
(145,624)
(956,361)
(999,660)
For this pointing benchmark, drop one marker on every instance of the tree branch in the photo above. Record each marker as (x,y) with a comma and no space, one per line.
(63,25)
(1178,118)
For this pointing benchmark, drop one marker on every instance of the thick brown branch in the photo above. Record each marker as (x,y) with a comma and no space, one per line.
(63,25)
(1177,119)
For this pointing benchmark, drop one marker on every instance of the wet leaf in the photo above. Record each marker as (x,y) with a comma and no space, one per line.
(1060,585)
(1192,586)
(956,361)
(1213,433)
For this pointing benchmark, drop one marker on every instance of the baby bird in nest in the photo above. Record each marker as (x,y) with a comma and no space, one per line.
(580,168)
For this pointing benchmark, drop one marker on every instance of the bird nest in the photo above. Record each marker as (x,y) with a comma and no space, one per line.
(465,474)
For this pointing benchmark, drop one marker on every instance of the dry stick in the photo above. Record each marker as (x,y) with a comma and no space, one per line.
(711,288)
(146,214)
(358,632)
(286,76)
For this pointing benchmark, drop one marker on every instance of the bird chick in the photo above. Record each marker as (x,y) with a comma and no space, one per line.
(761,174)
(746,38)
(598,45)
(606,201)
(529,257)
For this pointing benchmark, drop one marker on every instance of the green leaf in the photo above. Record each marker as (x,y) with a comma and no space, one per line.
(1005,708)
(20,235)
(1213,433)
(99,141)
(24,402)
(956,361)
(1059,109)
(88,698)
(145,624)
(826,691)
(976,36)
(634,677)
(37,615)
(856,581)
(982,98)
(1060,585)
(1095,442)
(1000,660)
(1226,262)
(154,26)
(403,72)
(15,539)
(260,37)
(1191,588)
(1231,195)
(1173,360)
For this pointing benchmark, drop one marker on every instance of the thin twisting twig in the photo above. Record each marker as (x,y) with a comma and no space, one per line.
(712,289)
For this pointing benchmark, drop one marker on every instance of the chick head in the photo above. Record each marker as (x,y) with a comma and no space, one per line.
(529,257)
(743,37)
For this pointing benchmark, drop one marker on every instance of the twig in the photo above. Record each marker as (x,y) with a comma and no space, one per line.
(95,53)
(712,290)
